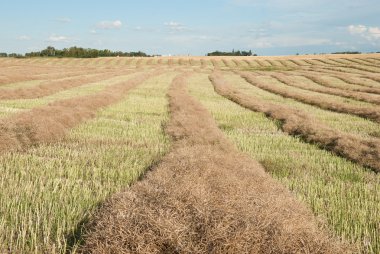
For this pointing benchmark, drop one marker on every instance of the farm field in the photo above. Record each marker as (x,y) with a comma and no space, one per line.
(190,154)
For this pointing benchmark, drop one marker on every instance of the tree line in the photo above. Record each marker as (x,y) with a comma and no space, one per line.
(76,52)
(232,53)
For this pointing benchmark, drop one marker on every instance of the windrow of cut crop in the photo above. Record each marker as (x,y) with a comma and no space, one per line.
(325,87)
(375,79)
(372,113)
(26,74)
(51,122)
(55,86)
(355,69)
(36,69)
(358,61)
(365,152)
(204,197)
(358,84)
(363,87)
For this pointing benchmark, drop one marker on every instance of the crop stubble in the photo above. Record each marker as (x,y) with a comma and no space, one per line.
(296,122)
(51,122)
(204,197)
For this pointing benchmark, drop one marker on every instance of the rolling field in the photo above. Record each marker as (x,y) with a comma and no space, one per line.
(190,155)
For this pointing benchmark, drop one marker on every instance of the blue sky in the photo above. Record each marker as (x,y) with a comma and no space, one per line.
(195,27)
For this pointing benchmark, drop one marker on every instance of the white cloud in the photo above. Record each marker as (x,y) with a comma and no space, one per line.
(63,20)
(192,39)
(287,41)
(358,29)
(175,26)
(117,24)
(58,38)
(370,33)
(24,38)
(374,32)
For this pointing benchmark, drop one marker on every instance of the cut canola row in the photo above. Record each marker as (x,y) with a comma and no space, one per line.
(204,197)
(50,122)
(51,87)
(366,152)
(372,113)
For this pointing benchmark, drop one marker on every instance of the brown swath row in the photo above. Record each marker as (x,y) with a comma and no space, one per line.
(365,152)
(319,80)
(51,87)
(372,113)
(51,122)
(312,62)
(326,88)
(27,74)
(360,68)
(287,63)
(345,69)
(323,62)
(204,63)
(22,73)
(361,86)
(367,75)
(204,197)
(215,64)
(360,62)
(295,62)
(365,87)
(375,61)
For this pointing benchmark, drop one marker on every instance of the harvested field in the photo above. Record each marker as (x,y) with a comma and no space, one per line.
(204,197)
(299,123)
(51,87)
(190,155)
(50,123)
(323,86)
(328,184)
(317,99)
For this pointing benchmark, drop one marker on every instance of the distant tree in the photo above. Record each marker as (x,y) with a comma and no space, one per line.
(15,55)
(3,54)
(347,52)
(78,52)
(233,53)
